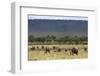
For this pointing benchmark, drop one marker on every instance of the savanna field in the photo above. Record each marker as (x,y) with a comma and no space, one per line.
(57,52)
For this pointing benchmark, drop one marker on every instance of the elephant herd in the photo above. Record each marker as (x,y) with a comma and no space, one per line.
(72,50)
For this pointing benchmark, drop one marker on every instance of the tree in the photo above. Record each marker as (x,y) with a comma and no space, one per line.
(53,37)
(84,39)
(31,38)
(40,39)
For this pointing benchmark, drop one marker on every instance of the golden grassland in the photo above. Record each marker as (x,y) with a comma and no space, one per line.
(40,55)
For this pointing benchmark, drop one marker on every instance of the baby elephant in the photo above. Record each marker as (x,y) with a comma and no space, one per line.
(66,50)
(59,50)
(42,47)
(85,48)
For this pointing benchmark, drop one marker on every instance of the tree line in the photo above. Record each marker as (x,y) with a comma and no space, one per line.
(51,39)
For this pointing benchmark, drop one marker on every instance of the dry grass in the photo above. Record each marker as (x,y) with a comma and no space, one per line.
(40,55)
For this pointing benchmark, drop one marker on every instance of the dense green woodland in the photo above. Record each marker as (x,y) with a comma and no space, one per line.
(51,39)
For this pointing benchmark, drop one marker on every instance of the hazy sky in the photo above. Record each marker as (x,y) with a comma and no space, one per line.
(57,25)
(58,17)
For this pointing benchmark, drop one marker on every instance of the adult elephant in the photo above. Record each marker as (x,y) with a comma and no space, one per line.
(74,51)
(47,50)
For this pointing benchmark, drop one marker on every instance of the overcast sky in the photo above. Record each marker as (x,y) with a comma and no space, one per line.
(58,26)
